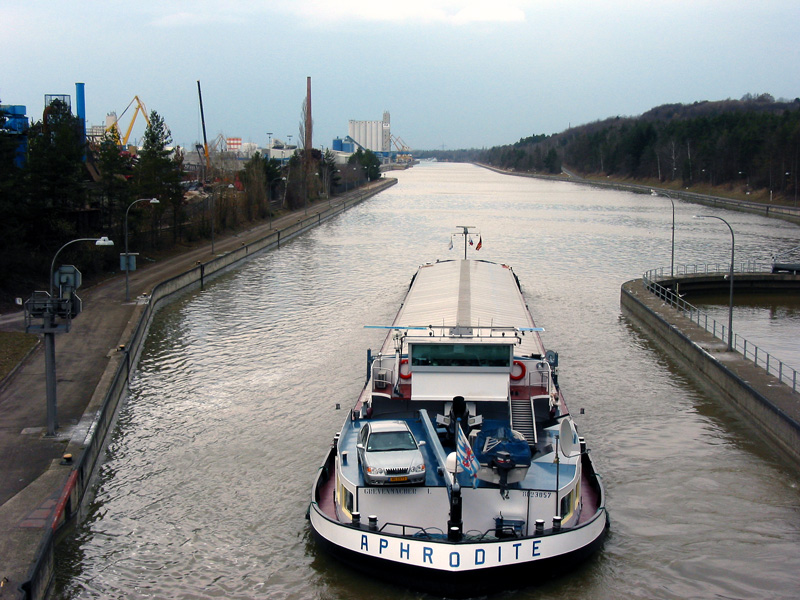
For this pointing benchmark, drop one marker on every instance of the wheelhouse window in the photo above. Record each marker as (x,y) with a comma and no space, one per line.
(461,355)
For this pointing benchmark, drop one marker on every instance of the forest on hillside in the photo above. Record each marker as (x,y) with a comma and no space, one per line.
(753,142)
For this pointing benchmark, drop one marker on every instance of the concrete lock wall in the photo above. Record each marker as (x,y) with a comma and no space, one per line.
(768,405)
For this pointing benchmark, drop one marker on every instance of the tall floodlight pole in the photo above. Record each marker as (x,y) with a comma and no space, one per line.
(730,277)
(127,256)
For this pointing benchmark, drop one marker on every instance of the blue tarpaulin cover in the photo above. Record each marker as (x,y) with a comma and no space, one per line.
(497,436)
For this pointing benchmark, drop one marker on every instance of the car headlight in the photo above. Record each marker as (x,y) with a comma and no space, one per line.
(375,471)
(418,468)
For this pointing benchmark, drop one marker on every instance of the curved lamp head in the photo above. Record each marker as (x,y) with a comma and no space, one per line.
(104,241)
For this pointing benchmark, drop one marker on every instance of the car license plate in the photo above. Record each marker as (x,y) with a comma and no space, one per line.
(396,479)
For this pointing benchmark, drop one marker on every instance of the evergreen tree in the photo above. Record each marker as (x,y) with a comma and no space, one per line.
(158,175)
(54,177)
(14,258)
(369,161)
(116,168)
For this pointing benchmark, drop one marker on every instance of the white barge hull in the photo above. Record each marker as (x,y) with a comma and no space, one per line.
(462,568)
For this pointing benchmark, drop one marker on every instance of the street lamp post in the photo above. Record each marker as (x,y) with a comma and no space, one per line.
(127,256)
(730,277)
(103,241)
(672,259)
(49,329)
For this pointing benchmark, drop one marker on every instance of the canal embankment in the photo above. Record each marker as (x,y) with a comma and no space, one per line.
(762,400)
(34,518)
(787,213)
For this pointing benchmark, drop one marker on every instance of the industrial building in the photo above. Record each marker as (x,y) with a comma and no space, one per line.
(372,135)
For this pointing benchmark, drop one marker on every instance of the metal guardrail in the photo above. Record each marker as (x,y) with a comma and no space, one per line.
(749,350)
(743,267)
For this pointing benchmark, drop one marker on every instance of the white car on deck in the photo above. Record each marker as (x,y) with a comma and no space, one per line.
(389,454)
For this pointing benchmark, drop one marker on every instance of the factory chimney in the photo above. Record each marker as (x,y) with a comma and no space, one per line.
(81,109)
(308,144)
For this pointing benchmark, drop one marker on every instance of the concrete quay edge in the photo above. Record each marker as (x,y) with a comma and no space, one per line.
(768,405)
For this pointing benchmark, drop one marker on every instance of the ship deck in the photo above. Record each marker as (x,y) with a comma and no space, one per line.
(540,473)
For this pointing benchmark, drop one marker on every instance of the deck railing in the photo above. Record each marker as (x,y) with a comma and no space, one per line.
(749,350)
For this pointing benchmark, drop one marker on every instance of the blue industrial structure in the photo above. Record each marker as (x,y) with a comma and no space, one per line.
(16,123)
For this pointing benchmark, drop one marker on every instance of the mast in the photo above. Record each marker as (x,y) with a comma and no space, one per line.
(465,231)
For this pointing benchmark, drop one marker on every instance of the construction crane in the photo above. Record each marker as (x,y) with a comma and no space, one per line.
(203,120)
(403,150)
(115,125)
(400,145)
(220,143)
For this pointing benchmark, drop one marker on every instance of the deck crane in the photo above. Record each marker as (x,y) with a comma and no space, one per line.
(115,125)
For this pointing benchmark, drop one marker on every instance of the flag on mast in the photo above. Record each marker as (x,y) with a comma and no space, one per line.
(471,243)
(465,455)
(480,243)
(451,243)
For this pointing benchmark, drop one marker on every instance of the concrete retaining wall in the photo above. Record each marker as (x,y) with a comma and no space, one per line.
(769,406)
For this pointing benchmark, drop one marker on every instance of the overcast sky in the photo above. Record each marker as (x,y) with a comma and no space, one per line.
(452,73)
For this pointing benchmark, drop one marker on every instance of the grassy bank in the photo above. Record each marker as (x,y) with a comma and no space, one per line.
(14,345)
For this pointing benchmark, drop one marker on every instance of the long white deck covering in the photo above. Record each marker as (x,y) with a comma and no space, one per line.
(467,294)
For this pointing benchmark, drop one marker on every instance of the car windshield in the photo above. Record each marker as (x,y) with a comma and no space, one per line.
(391,440)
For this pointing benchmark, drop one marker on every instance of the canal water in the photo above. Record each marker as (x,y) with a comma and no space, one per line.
(207,478)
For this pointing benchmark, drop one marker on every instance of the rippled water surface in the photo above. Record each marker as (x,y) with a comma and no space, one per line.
(204,490)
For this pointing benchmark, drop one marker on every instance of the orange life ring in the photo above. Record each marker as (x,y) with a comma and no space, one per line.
(404,375)
(522,371)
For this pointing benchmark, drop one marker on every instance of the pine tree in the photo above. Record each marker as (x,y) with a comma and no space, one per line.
(158,175)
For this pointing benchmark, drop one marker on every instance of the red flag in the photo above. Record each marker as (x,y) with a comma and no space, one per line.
(480,243)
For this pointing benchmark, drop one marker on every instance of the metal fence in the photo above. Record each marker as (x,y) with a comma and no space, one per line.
(749,350)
